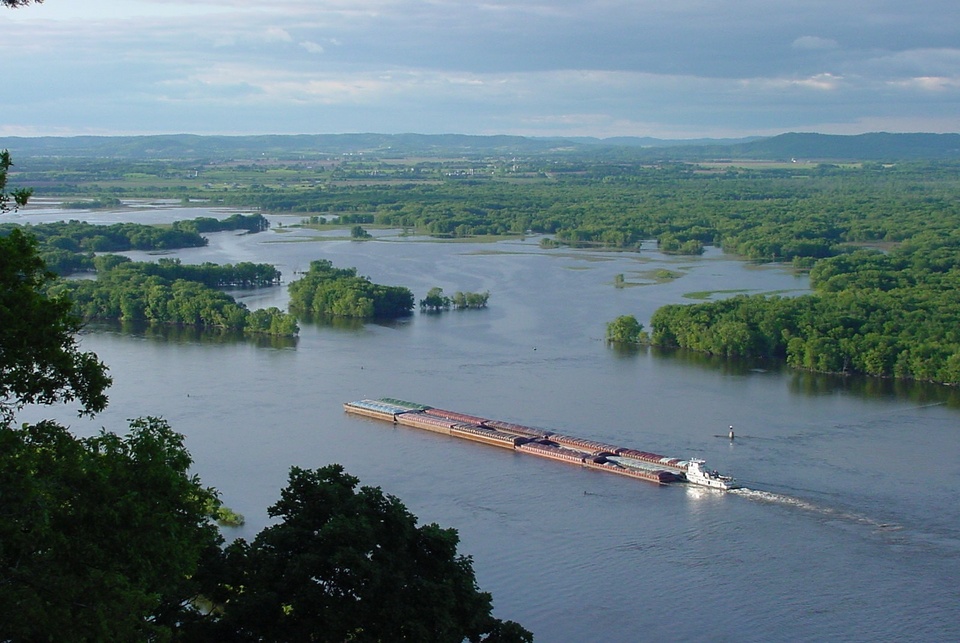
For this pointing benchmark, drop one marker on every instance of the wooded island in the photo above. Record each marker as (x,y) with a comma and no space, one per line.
(878,232)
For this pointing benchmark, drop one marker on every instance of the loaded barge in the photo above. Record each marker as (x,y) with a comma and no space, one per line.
(539,442)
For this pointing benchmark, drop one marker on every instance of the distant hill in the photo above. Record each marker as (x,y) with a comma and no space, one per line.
(805,146)
(190,146)
(878,146)
(647,141)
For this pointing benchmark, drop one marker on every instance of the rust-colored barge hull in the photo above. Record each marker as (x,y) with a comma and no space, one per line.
(527,440)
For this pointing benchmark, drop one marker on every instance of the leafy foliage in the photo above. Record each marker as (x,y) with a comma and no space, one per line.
(357,232)
(79,236)
(625,329)
(133,291)
(463,300)
(891,315)
(435,300)
(242,275)
(39,358)
(69,246)
(348,564)
(248,222)
(99,537)
(339,292)
(800,211)
(21,195)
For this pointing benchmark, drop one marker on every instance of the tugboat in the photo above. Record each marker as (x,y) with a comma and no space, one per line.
(696,474)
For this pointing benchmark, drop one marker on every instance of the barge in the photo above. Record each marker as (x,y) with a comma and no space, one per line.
(590,454)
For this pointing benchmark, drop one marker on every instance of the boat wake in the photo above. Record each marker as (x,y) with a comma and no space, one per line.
(812,507)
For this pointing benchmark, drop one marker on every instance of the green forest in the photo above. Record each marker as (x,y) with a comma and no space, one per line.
(882,229)
(70,246)
(134,291)
(894,314)
(162,292)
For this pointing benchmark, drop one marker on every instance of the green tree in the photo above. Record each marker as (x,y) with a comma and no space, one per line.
(349,564)
(357,232)
(99,537)
(21,195)
(435,300)
(40,361)
(462,300)
(625,329)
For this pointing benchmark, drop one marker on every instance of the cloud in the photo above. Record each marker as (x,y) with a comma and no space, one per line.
(558,66)
(818,82)
(923,61)
(929,83)
(277,34)
(312,47)
(814,43)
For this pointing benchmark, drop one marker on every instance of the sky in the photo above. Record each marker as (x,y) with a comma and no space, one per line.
(676,69)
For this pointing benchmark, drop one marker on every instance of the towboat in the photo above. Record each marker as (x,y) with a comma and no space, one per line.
(697,474)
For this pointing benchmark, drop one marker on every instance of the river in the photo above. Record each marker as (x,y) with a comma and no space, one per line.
(848,527)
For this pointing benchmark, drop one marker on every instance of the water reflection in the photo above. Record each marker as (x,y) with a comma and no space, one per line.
(920,393)
(805,382)
(717,363)
(624,351)
(175,334)
(351,324)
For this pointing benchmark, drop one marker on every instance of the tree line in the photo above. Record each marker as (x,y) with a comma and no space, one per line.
(800,213)
(242,275)
(70,246)
(436,300)
(893,314)
(137,291)
(80,236)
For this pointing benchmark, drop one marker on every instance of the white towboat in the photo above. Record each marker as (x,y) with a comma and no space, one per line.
(696,474)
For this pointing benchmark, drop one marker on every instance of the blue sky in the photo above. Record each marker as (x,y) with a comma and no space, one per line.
(663,68)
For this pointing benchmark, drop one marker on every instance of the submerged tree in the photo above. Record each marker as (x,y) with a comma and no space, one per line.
(625,329)
(462,300)
(435,300)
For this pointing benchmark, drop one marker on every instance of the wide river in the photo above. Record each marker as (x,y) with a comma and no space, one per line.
(848,528)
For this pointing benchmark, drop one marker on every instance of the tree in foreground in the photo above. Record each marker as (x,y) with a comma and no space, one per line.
(40,361)
(101,537)
(348,564)
(20,196)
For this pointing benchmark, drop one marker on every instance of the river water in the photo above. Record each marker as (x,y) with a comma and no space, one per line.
(848,528)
